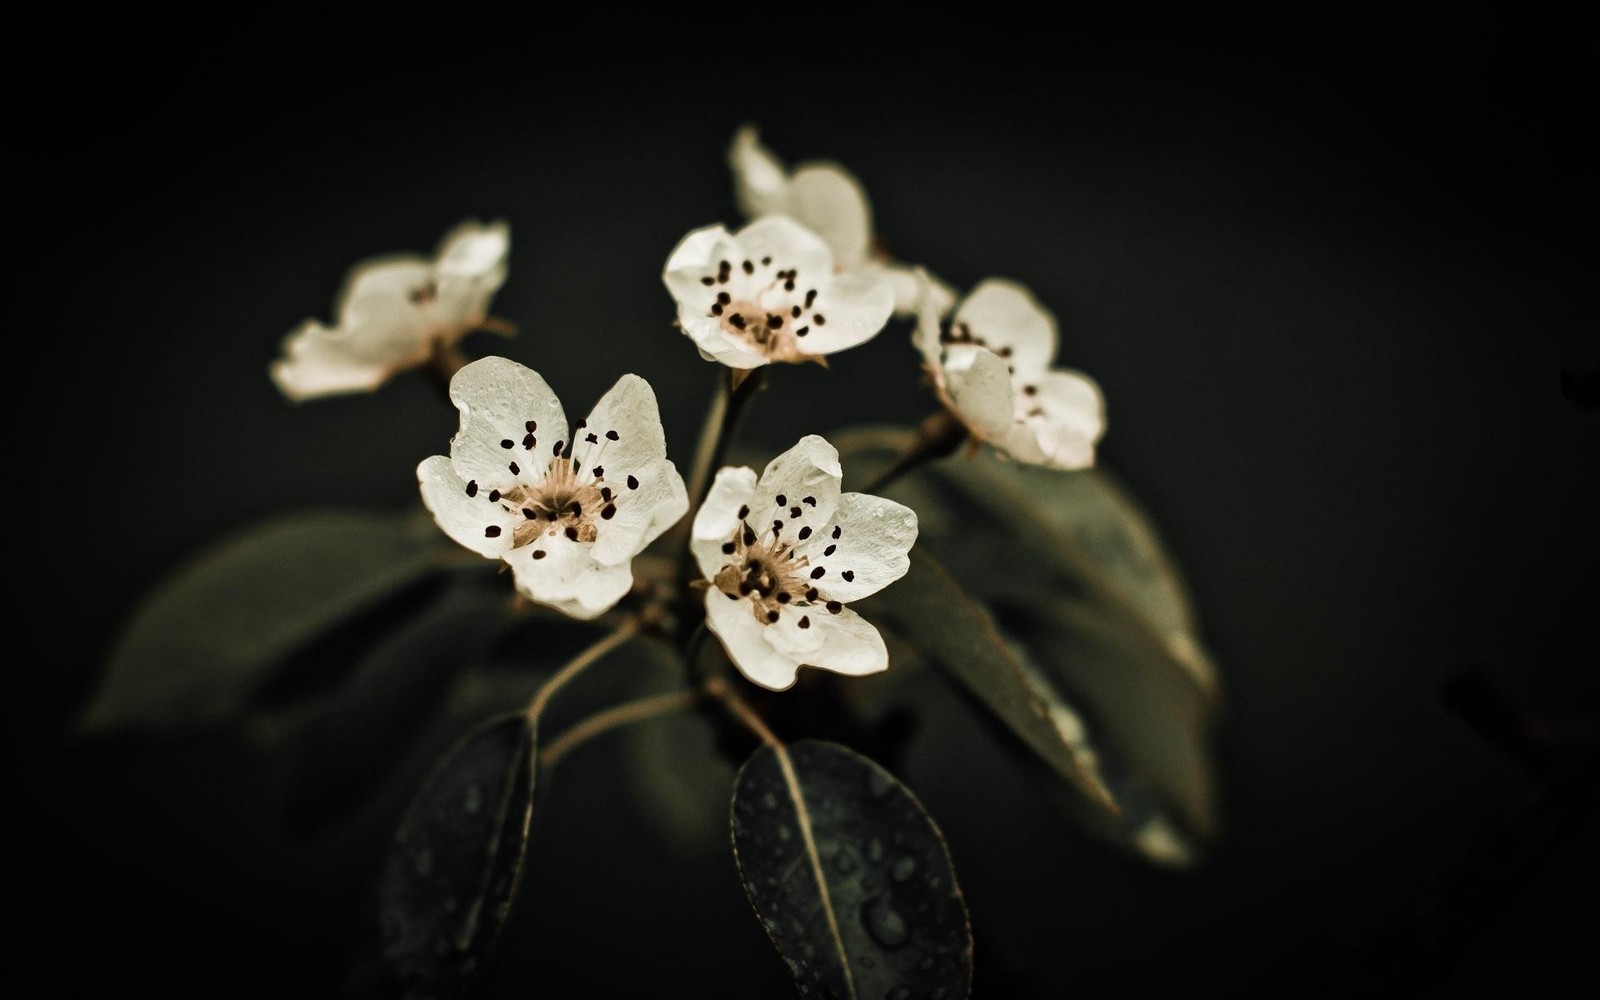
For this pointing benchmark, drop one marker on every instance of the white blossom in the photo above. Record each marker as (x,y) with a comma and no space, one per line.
(395,312)
(991,366)
(770,292)
(566,511)
(786,553)
(827,198)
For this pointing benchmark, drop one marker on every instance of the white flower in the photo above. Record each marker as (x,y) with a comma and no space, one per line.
(828,199)
(991,367)
(395,312)
(770,293)
(786,553)
(567,512)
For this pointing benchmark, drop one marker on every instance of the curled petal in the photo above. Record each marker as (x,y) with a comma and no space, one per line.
(1007,316)
(745,640)
(869,540)
(732,490)
(980,388)
(566,576)
(828,199)
(760,181)
(502,403)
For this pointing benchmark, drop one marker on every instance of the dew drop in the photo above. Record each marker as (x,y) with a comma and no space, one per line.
(903,869)
(874,850)
(884,922)
(769,800)
(844,862)
(784,833)
(878,784)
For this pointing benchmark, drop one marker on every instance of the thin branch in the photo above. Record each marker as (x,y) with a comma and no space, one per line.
(740,709)
(940,434)
(627,630)
(615,717)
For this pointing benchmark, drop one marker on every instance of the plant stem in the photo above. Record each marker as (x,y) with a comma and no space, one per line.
(612,718)
(627,630)
(940,434)
(734,390)
(443,363)
(740,709)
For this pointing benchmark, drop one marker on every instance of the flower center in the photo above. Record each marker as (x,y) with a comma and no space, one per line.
(558,505)
(767,573)
(763,306)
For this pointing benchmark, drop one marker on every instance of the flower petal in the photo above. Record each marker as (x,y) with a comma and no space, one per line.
(788,243)
(465,512)
(562,573)
(623,432)
(926,335)
(718,517)
(509,416)
(382,299)
(1004,315)
(646,503)
(319,361)
(696,258)
(470,268)
(864,549)
(850,644)
(805,479)
(854,308)
(1066,415)
(760,181)
(733,623)
(826,198)
(903,282)
(980,387)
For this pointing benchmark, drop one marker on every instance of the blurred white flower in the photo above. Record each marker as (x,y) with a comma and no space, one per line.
(567,512)
(395,312)
(786,553)
(828,199)
(770,293)
(991,366)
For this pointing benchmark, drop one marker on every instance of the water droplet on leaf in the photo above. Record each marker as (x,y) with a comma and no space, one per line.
(903,868)
(884,922)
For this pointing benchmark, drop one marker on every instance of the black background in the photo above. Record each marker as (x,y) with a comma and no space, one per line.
(1327,272)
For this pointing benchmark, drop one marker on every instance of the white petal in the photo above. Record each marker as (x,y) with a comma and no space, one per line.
(733,622)
(850,310)
(718,517)
(470,268)
(760,181)
(567,577)
(381,299)
(980,386)
(827,199)
(789,244)
(498,399)
(626,427)
(864,549)
(1066,415)
(642,512)
(808,471)
(695,258)
(1005,314)
(926,336)
(465,518)
(319,361)
(850,644)
(908,292)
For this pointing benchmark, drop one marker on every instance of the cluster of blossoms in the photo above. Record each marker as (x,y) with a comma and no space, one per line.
(781,555)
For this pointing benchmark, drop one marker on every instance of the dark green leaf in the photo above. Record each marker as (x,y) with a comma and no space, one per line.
(849,875)
(452,869)
(216,635)
(1094,614)
(931,612)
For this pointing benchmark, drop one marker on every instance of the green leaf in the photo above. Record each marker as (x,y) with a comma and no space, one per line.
(849,875)
(452,869)
(1091,610)
(215,638)
(930,611)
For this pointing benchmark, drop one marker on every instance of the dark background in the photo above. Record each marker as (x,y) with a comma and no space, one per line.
(1326,271)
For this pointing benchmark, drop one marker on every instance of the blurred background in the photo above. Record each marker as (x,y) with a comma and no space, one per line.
(1326,271)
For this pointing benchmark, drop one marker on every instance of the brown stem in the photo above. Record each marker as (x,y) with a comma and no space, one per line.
(940,434)
(612,718)
(627,630)
(720,689)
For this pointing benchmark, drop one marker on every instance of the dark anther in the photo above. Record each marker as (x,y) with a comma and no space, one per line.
(749,268)
(708,281)
(838,530)
(528,441)
(1004,352)
(591,438)
(777,526)
(571,533)
(492,531)
(728,547)
(765,261)
(802,331)
(744,512)
(506,442)
(805,532)
(737,321)
(795,312)
(772,616)
(1030,390)
(788,286)
(745,586)
(472,488)
(811,296)
(849,575)
(599,472)
(577,509)
(515,469)
(612,435)
(633,483)
(530,513)
(605,493)
(551,516)
(783,501)
(716,308)
(539,553)
(829,550)
(774,320)
(805,621)
(811,594)
(557,449)
(531,426)
(608,511)
(816,574)
(809,501)
(494,496)
(794,511)
(724,298)
(834,607)
(749,535)
(784,597)
(820,319)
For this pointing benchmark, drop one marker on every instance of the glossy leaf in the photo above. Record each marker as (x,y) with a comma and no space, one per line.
(217,634)
(452,869)
(849,876)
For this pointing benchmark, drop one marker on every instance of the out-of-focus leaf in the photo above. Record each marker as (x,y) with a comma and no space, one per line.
(933,613)
(215,636)
(849,875)
(452,869)
(1092,621)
